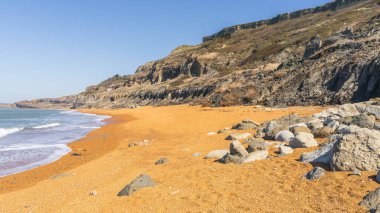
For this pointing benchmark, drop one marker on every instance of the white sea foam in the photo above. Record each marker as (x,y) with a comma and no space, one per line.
(4,132)
(47,126)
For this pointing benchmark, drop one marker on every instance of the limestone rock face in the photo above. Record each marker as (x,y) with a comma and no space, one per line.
(358,149)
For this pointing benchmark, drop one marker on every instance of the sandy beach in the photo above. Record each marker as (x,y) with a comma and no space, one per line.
(185,183)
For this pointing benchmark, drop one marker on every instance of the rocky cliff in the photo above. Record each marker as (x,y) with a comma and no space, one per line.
(325,55)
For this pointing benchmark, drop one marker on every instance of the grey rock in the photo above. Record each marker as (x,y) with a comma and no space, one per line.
(303,140)
(285,150)
(228,158)
(356,172)
(284,135)
(298,129)
(359,149)
(162,161)
(256,145)
(323,132)
(246,124)
(257,155)
(333,125)
(236,148)
(363,121)
(348,110)
(216,154)
(315,125)
(322,155)
(313,46)
(372,200)
(198,154)
(137,184)
(238,136)
(315,173)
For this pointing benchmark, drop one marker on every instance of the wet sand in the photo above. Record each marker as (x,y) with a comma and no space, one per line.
(186,183)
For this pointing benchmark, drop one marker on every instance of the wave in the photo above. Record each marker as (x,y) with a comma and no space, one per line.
(46,126)
(4,132)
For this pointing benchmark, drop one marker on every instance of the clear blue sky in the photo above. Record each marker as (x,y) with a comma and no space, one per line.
(50,48)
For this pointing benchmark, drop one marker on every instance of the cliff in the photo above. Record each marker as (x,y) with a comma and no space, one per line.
(325,55)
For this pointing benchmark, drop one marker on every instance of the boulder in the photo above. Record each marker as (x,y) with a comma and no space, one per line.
(291,127)
(314,125)
(323,132)
(322,155)
(303,140)
(358,148)
(315,173)
(285,150)
(256,145)
(237,149)
(162,161)
(238,136)
(271,128)
(137,184)
(333,125)
(246,124)
(347,110)
(298,129)
(254,156)
(363,121)
(284,135)
(228,158)
(217,154)
(372,200)
(372,110)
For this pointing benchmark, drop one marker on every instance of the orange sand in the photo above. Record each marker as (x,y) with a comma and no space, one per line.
(186,183)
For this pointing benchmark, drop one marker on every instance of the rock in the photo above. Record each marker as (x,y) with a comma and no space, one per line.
(76,154)
(315,125)
(372,118)
(211,133)
(257,155)
(347,110)
(303,140)
(315,173)
(333,125)
(228,158)
(261,134)
(256,145)
(246,124)
(312,46)
(162,161)
(284,135)
(376,126)
(359,149)
(291,127)
(356,172)
(372,200)
(378,176)
(137,184)
(93,193)
(322,155)
(298,129)
(222,131)
(139,143)
(237,136)
(217,154)
(237,149)
(324,132)
(272,129)
(342,129)
(372,110)
(285,150)
(198,154)
(363,121)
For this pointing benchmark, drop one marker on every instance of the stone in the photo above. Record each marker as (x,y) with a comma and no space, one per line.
(217,154)
(315,173)
(298,129)
(137,184)
(372,110)
(321,155)
(256,145)
(291,127)
(333,125)
(378,176)
(211,133)
(323,132)
(162,161)
(285,150)
(254,156)
(303,140)
(372,200)
(228,158)
(312,46)
(347,110)
(372,118)
(236,148)
(376,126)
(359,149)
(271,129)
(238,136)
(222,131)
(363,121)
(246,124)
(93,193)
(139,143)
(76,154)
(356,172)
(197,154)
(315,125)
(284,135)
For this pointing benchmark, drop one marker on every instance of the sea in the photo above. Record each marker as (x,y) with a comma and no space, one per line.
(30,138)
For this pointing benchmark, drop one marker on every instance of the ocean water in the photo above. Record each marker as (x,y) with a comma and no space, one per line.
(31,138)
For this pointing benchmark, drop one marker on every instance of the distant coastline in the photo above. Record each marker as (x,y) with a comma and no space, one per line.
(3,105)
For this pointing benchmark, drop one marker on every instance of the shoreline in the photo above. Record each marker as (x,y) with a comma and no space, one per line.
(185,182)
(30,177)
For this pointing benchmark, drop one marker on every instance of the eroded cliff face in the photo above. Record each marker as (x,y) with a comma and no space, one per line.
(328,55)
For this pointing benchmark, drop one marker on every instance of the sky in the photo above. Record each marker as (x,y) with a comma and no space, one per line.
(51,48)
